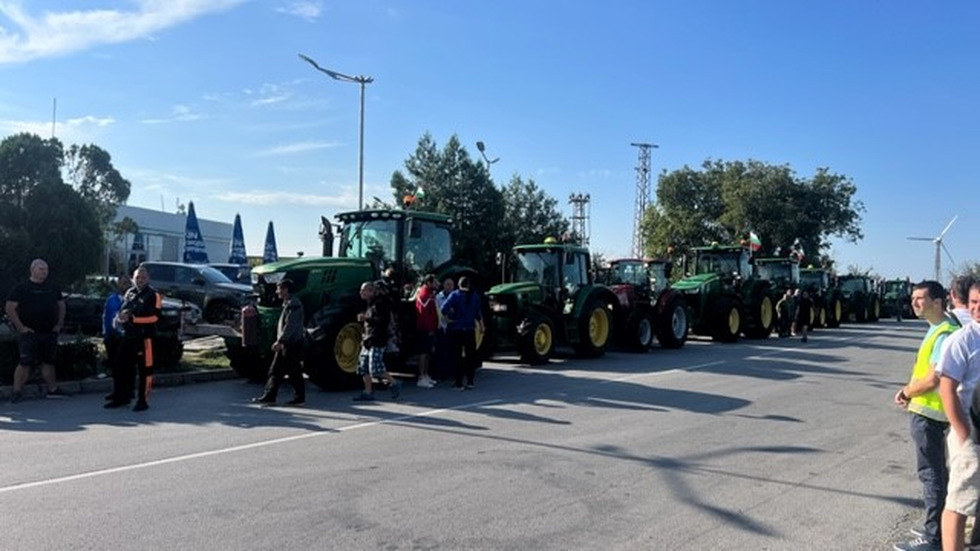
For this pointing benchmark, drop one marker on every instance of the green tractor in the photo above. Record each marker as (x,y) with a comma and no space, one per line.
(552,300)
(784,274)
(896,299)
(725,296)
(647,306)
(860,298)
(412,243)
(827,301)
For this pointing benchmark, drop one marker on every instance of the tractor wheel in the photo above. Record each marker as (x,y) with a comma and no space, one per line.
(594,329)
(536,339)
(875,310)
(672,325)
(331,363)
(727,321)
(834,313)
(247,361)
(861,311)
(764,320)
(639,331)
(820,319)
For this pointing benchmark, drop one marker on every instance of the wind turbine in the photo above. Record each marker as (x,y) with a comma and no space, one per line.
(938,240)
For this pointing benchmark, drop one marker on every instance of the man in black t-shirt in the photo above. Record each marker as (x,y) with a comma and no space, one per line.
(36,309)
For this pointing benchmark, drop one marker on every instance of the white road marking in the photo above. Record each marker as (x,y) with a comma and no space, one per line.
(232,449)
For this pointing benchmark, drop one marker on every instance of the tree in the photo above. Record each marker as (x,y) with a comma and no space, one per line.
(91,173)
(530,214)
(41,216)
(450,182)
(726,200)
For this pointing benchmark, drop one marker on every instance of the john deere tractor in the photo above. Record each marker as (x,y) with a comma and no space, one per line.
(412,243)
(783,273)
(725,297)
(647,306)
(552,300)
(860,298)
(827,301)
(896,295)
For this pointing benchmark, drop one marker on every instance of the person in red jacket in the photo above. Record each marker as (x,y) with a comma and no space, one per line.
(426,325)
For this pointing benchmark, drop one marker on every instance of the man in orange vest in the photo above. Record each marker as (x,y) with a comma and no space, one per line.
(928,420)
(138,317)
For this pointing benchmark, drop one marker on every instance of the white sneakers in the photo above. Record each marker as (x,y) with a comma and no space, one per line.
(425,382)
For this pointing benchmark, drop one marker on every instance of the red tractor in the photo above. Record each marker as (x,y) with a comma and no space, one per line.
(647,307)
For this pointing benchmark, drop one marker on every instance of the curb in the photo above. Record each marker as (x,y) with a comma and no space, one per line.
(104,385)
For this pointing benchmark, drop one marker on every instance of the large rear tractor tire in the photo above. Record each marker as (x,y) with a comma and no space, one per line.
(765,319)
(727,321)
(536,339)
(594,329)
(875,310)
(331,362)
(835,310)
(247,361)
(672,324)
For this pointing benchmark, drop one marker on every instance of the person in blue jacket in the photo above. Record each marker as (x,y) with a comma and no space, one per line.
(464,317)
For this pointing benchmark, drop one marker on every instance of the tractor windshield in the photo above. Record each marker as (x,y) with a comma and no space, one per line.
(634,273)
(896,287)
(372,239)
(854,285)
(721,262)
(814,280)
(428,245)
(537,267)
(785,272)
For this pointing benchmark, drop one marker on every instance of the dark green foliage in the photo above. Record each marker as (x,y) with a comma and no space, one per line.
(724,200)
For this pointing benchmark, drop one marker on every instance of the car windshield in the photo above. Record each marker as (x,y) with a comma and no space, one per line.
(212,275)
(537,267)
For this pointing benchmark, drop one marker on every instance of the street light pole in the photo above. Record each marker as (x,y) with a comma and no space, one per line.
(483,152)
(362,80)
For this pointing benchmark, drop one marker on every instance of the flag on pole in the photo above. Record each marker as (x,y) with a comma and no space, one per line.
(270,254)
(237,253)
(195,252)
(754,242)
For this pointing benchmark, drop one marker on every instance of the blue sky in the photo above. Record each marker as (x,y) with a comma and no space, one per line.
(207,101)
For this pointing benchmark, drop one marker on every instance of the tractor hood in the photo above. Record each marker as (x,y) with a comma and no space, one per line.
(526,288)
(693,283)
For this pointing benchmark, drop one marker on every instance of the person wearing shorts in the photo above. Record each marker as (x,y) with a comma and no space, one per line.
(36,310)
(959,369)
(371,365)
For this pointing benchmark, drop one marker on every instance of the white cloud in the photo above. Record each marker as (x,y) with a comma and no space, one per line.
(180,113)
(309,11)
(276,198)
(52,34)
(294,148)
(72,131)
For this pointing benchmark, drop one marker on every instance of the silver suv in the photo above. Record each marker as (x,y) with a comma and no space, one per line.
(219,297)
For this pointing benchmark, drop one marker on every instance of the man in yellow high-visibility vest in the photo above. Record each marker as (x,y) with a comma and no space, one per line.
(928,422)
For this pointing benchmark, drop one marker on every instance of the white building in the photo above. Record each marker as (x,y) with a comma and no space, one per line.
(163,237)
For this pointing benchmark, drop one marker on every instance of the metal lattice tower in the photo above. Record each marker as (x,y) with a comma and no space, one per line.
(580,216)
(642,195)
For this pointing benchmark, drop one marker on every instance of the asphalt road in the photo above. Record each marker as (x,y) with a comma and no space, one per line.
(759,445)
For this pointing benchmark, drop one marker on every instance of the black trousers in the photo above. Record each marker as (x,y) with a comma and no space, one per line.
(464,342)
(286,362)
(135,357)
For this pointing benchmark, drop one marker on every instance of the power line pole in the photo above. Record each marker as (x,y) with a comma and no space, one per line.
(642,195)
(580,218)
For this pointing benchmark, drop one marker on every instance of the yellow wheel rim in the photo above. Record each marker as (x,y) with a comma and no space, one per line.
(765,312)
(347,347)
(542,339)
(598,327)
(734,321)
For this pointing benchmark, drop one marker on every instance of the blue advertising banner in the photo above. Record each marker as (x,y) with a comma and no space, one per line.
(195,251)
(237,254)
(270,254)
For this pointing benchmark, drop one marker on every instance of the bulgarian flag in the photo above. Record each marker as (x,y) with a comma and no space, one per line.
(754,242)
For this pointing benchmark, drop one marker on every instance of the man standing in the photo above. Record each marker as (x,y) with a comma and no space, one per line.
(36,309)
(138,317)
(928,422)
(111,335)
(959,295)
(426,324)
(288,350)
(804,311)
(462,310)
(959,369)
(377,322)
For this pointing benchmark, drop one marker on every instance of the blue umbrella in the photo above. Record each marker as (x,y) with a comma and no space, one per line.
(237,253)
(195,252)
(270,254)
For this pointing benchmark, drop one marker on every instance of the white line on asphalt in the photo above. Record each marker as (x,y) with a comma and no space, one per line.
(124,468)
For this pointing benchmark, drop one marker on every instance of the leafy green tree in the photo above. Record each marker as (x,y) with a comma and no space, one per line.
(450,182)
(41,216)
(90,171)
(725,200)
(530,214)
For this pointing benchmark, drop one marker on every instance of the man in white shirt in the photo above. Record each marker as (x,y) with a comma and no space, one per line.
(959,369)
